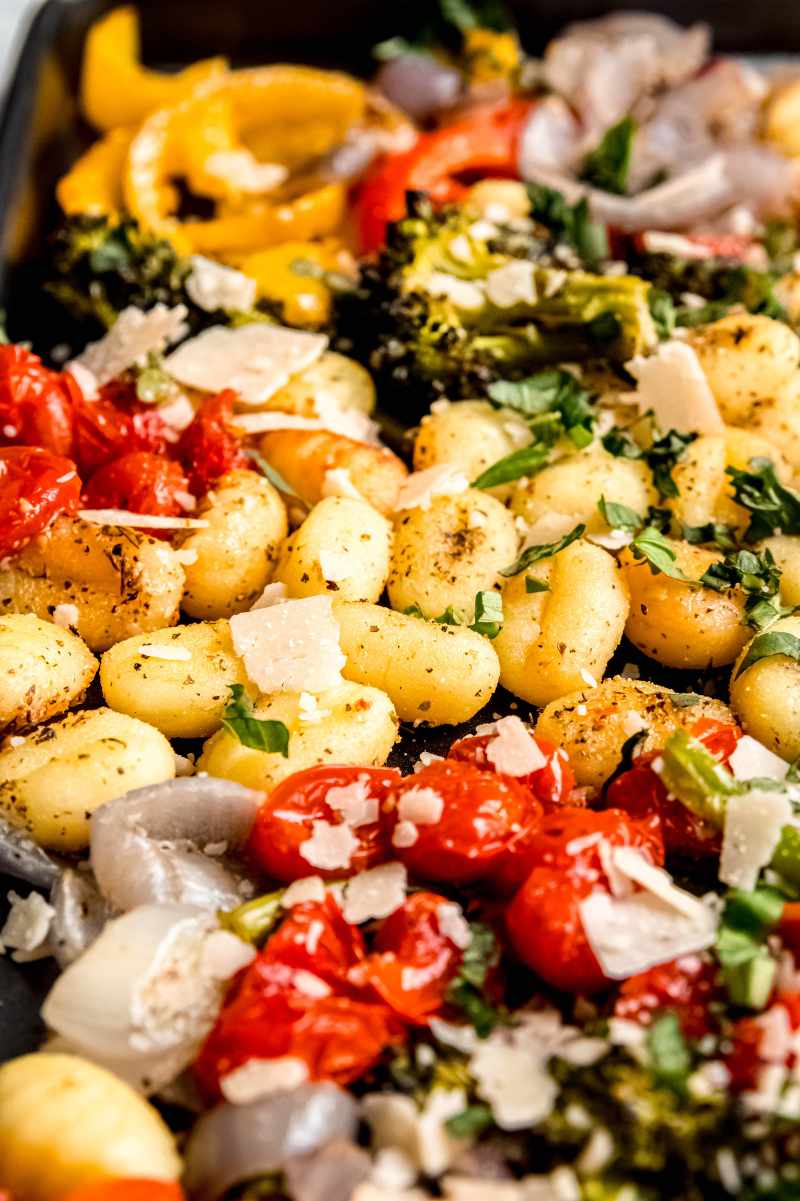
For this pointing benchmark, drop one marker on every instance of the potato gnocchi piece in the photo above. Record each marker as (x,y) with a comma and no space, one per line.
(680,625)
(65,1123)
(52,782)
(445,554)
(593,724)
(766,698)
(472,435)
(45,669)
(704,490)
(332,380)
(342,547)
(778,421)
(745,356)
(785,550)
(553,639)
(347,724)
(433,673)
(574,485)
(227,564)
(304,458)
(177,680)
(121,581)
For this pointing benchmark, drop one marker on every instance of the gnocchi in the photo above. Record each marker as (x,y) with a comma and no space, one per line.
(306,457)
(766,697)
(471,435)
(705,492)
(342,547)
(45,669)
(333,380)
(745,356)
(574,484)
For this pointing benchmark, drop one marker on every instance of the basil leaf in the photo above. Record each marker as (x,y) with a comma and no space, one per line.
(488,614)
(651,545)
(607,166)
(712,533)
(526,461)
(662,310)
(258,734)
(534,585)
(764,646)
(670,1059)
(450,617)
(661,457)
(568,223)
(414,610)
(554,392)
(466,988)
(619,517)
(532,554)
(471,1122)
(772,506)
(758,575)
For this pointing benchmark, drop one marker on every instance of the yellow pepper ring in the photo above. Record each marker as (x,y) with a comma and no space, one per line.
(312,215)
(93,185)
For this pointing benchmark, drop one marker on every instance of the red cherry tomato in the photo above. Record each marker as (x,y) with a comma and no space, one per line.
(484,143)
(551,784)
(543,921)
(285,822)
(745,1059)
(140,482)
(208,447)
(413,961)
(35,402)
(483,816)
(125,1190)
(35,486)
(686,986)
(316,938)
(113,425)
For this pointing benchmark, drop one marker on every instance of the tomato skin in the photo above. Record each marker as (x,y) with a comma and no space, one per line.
(208,448)
(686,986)
(35,486)
(140,482)
(410,938)
(104,431)
(484,142)
(125,1190)
(35,402)
(275,840)
(316,938)
(484,816)
(551,784)
(744,1060)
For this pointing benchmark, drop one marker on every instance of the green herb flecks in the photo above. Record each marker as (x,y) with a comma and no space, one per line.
(532,554)
(608,165)
(253,732)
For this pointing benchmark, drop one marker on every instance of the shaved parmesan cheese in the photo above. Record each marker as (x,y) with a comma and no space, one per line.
(419,489)
(632,722)
(421,1133)
(273,594)
(157,651)
(243,172)
(656,241)
(134,335)
(672,384)
(353,802)
(588,678)
(631,934)
(308,709)
(310,985)
(213,286)
(751,760)
(374,894)
(339,482)
(330,846)
(549,527)
(186,556)
(65,615)
(420,805)
(613,540)
(261,1078)
(514,283)
(514,750)
(349,422)
(178,413)
(290,647)
(143,521)
(84,378)
(405,834)
(463,293)
(753,824)
(335,565)
(255,360)
(301,892)
(453,924)
(27,925)
(223,953)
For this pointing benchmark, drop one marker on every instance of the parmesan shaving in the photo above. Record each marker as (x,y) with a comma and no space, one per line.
(354,802)
(672,383)
(330,846)
(261,1078)
(631,934)
(374,894)
(514,751)
(213,286)
(419,489)
(339,482)
(302,892)
(751,760)
(420,806)
(512,284)
(133,336)
(157,651)
(273,594)
(290,647)
(143,521)
(65,615)
(753,824)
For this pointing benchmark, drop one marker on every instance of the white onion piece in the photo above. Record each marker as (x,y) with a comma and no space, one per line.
(762,179)
(419,84)
(550,137)
(148,846)
(331,1174)
(141,999)
(21,858)
(80,914)
(233,1143)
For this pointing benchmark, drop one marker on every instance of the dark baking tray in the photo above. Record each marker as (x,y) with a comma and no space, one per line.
(41,132)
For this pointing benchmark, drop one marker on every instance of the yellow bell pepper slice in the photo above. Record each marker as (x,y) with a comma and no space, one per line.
(313,215)
(304,300)
(490,55)
(94,184)
(116,89)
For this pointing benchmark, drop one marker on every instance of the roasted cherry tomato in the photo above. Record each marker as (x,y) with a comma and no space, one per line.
(208,447)
(686,986)
(140,482)
(316,938)
(350,796)
(112,425)
(35,402)
(413,959)
(746,1059)
(126,1190)
(466,820)
(484,143)
(551,784)
(544,921)
(35,486)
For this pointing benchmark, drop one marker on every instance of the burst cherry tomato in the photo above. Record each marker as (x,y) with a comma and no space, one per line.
(316,938)
(208,447)
(468,820)
(686,986)
(35,402)
(745,1060)
(35,486)
(126,1190)
(112,425)
(336,796)
(551,784)
(544,921)
(413,960)
(139,482)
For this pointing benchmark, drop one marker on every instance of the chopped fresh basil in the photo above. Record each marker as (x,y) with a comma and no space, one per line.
(488,614)
(758,575)
(532,554)
(471,1122)
(547,394)
(661,457)
(670,1059)
(526,461)
(466,987)
(772,506)
(608,165)
(652,546)
(569,223)
(619,517)
(712,533)
(258,734)
(764,646)
(534,585)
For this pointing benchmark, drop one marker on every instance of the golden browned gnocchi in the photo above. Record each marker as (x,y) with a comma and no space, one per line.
(227,564)
(553,639)
(65,1123)
(438,674)
(350,723)
(593,724)
(177,680)
(574,485)
(446,553)
(333,380)
(679,624)
(53,780)
(121,581)
(745,356)
(306,459)
(766,697)
(777,419)
(471,435)
(705,492)
(785,550)
(45,669)
(342,547)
